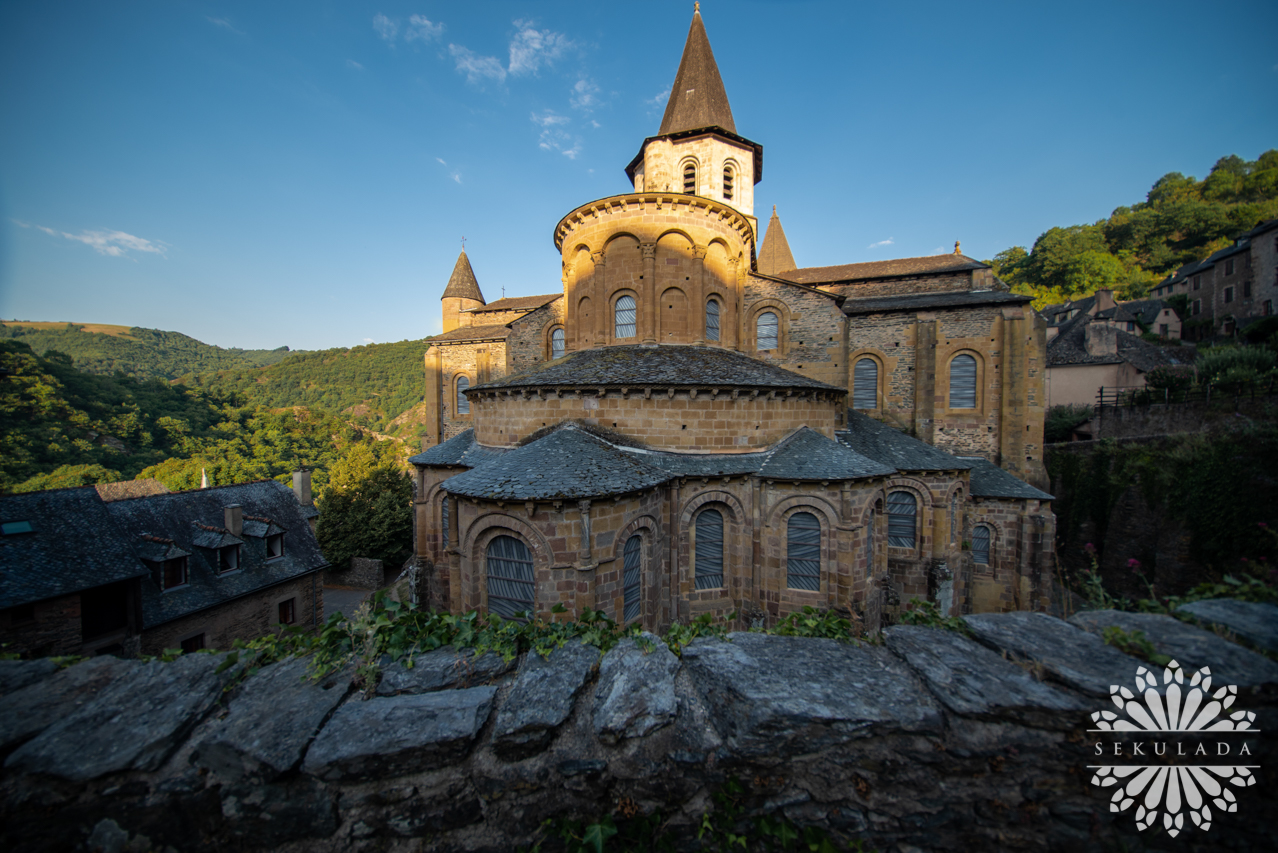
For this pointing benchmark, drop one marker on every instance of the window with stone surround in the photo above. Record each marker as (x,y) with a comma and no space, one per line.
(981,545)
(462,384)
(865,384)
(1229,295)
(963,382)
(712,320)
(443,521)
(803,552)
(511,582)
(632,576)
(1229,267)
(557,343)
(708,557)
(766,332)
(869,542)
(727,183)
(288,611)
(902,509)
(689,178)
(624,317)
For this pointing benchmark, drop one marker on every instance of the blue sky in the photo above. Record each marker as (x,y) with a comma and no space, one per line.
(301,174)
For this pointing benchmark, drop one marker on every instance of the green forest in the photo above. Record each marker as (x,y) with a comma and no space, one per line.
(1181,220)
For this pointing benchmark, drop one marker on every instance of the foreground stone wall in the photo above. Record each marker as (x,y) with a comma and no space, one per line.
(930,741)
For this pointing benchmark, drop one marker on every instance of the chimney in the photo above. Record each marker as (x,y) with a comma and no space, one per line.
(302,486)
(234,519)
(1104,300)
(1100,339)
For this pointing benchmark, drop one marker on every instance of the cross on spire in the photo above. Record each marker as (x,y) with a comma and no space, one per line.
(463,244)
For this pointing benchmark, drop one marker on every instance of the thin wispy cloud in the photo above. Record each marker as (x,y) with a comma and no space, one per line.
(531,48)
(421,28)
(554,134)
(659,101)
(223,23)
(939,250)
(585,95)
(452,173)
(887,242)
(116,244)
(385,27)
(350,63)
(477,68)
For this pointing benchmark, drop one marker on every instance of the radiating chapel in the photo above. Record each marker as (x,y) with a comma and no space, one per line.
(695,424)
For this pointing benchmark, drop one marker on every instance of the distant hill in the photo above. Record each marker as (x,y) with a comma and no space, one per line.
(137,352)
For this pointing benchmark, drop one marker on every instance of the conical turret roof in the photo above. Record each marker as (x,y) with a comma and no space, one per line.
(697,98)
(774,255)
(462,283)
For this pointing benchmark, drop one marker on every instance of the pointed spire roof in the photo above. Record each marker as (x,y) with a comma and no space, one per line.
(697,98)
(462,283)
(774,255)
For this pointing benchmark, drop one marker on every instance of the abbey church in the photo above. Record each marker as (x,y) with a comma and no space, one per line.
(692,423)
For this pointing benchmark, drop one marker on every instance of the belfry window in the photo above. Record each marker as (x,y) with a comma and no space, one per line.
(624,327)
(632,575)
(708,567)
(803,552)
(557,343)
(727,183)
(690,179)
(463,404)
(511,585)
(865,384)
(765,331)
(963,382)
(712,320)
(901,508)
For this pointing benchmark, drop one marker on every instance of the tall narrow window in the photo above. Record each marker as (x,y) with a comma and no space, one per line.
(869,544)
(690,179)
(463,404)
(511,585)
(865,384)
(712,320)
(625,318)
(803,552)
(709,554)
(901,508)
(557,343)
(443,520)
(288,611)
(632,574)
(953,518)
(727,183)
(963,382)
(765,331)
(981,545)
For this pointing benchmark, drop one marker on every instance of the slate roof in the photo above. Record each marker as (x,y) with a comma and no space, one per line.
(567,464)
(1069,347)
(472,333)
(1145,310)
(808,455)
(774,254)
(73,546)
(990,481)
(922,301)
(876,440)
(516,303)
(929,265)
(178,517)
(637,366)
(462,282)
(697,98)
(130,489)
(461,449)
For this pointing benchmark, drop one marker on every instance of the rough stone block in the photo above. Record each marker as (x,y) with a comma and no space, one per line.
(1253,622)
(16,674)
(636,692)
(1067,654)
(28,711)
(441,669)
(399,734)
(541,699)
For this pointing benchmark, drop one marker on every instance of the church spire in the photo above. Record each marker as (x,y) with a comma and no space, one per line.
(774,255)
(462,283)
(697,98)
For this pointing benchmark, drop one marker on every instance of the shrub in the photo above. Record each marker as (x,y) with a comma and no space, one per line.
(1171,378)
(1236,365)
(1061,421)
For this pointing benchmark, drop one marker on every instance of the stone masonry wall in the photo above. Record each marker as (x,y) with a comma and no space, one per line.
(54,630)
(930,741)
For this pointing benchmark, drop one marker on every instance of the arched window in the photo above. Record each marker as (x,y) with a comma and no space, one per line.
(463,404)
(690,178)
(981,545)
(901,508)
(963,382)
(727,183)
(632,574)
(712,320)
(557,343)
(803,552)
(865,384)
(765,331)
(869,544)
(708,564)
(443,520)
(624,327)
(511,587)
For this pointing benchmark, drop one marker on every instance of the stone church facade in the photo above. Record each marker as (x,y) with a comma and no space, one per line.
(694,424)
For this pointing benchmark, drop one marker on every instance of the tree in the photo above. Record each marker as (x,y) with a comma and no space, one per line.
(369,517)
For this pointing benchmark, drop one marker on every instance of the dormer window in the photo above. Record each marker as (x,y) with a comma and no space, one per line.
(228,559)
(275,546)
(171,573)
(690,179)
(727,183)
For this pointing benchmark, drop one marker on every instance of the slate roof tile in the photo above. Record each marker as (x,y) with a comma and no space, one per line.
(885,444)
(807,455)
(990,481)
(461,449)
(1069,347)
(516,303)
(486,332)
(697,98)
(462,282)
(922,301)
(929,265)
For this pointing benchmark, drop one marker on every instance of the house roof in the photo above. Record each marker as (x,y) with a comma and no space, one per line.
(1069,347)
(930,265)
(922,301)
(462,283)
(876,440)
(636,366)
(1145,310)
(697,98)
(516,303)
(462,334)
(990,481)
(774,255)
(461,449)
(72,545)
(130,489)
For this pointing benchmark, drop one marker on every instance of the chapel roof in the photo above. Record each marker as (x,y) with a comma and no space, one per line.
(922,301)
(462,283)
(697,98)
(775,257)
(461,449)
(990,481)
(486,332)
(929,265)
(635,365)
(516,303)
(880,441)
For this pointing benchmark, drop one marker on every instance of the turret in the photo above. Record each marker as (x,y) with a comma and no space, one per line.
(462,294)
